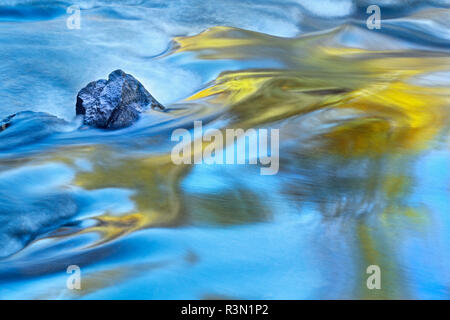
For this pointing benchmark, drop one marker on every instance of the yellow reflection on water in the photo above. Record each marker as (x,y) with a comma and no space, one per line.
(367,107)
(388,113)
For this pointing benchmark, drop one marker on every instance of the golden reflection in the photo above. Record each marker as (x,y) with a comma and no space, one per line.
(388,113)
(370,120)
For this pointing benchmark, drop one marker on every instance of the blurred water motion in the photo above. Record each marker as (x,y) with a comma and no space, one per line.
(364,152)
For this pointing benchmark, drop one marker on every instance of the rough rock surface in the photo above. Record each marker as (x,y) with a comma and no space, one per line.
(114,103)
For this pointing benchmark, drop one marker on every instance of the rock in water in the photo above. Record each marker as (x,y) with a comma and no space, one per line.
(114,103)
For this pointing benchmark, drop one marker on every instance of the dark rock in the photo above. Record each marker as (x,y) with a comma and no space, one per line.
(114,103)
(6,123)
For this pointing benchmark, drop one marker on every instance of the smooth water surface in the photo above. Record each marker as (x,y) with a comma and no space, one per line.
(364,160)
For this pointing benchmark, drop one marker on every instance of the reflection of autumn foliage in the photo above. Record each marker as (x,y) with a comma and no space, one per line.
(352,122)
(352,125)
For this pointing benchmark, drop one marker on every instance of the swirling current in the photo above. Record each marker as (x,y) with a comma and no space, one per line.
(364,168)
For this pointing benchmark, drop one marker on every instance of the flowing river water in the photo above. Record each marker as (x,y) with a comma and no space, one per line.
(364,166)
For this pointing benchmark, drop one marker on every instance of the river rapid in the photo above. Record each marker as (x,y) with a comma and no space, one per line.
(364,159)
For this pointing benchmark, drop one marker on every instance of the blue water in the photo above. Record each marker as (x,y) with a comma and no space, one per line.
(140,227)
